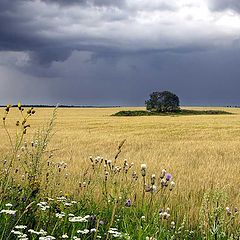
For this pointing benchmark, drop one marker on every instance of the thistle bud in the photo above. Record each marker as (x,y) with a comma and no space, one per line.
(143,169)
(163,173)
(153,179)
(163,182)
(19,106)
(172,185)
(228,211)
(153,188)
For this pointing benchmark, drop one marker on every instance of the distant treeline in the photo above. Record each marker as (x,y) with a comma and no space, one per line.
(60,106)
(233,106)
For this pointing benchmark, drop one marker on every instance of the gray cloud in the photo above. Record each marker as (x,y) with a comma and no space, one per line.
(220,5)
(116,52)
(210,77)
(50,32)
(117,3)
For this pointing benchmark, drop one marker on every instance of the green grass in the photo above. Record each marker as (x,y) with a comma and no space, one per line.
(181,112)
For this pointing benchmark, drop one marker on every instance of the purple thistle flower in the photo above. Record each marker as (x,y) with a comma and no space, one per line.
(101,222)
(168,177)
(128,203)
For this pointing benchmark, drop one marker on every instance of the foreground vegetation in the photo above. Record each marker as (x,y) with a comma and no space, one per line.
(45,196)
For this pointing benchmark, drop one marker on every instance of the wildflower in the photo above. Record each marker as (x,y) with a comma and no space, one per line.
(143,218)
(16,232)
(64,236)
(168,176)
(143,169)
(9,212)
(79,219)
(128,203)
(67,204)
(43,206)
(41,232)
(164,214)
(60,215)
(85,231)
(20,227)
(47,238)
(93,230)
(114,232)
(8,205)
(172,224)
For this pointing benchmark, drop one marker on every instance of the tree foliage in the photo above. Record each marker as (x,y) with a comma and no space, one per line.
(163,102)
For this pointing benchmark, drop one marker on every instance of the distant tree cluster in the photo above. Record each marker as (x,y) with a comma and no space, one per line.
(163,102)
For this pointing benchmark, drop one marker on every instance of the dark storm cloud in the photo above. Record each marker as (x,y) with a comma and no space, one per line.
(116,52)
(220,5)
(93,2)
(50,30)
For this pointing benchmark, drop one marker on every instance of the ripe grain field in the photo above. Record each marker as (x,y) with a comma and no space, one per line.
(202,152)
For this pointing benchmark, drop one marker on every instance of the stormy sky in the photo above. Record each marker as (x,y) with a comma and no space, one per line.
(116,52)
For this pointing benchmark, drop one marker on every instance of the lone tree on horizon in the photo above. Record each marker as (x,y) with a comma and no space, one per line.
(163,102)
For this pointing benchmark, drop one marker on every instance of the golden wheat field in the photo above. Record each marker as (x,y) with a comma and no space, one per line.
(202,152)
